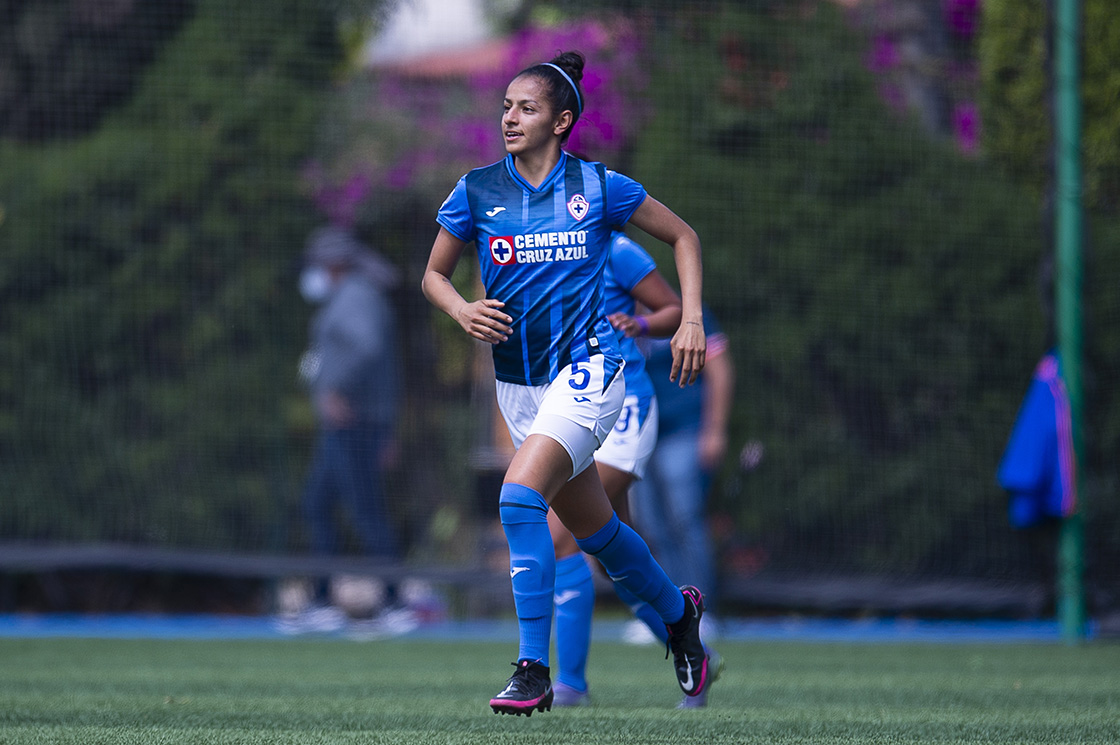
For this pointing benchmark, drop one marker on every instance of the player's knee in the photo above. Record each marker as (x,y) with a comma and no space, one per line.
(519,504)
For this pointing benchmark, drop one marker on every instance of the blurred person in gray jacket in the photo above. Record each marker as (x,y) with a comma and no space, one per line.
(352,372)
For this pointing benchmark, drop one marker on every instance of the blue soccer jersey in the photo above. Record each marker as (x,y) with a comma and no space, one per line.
(628,265)
(543,251)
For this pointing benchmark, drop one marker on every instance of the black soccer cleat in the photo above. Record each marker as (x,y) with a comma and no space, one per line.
(529,689)
(690,658)
(700,700)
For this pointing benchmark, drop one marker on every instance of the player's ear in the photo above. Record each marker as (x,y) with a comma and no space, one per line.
(563,122)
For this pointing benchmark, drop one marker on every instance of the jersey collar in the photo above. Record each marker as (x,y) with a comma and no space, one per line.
(511,169)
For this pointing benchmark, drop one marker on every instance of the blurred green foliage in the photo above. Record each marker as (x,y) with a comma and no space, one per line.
(149,328)
(1015,61)
(65,63)
(881,292)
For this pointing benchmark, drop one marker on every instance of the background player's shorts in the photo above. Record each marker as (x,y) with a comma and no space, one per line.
(574,409)
(630,443)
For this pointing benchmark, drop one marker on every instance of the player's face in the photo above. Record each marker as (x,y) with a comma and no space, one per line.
(528,123)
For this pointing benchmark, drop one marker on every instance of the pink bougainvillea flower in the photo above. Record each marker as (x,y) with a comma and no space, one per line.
(884,54)
(961,16)
(966,127)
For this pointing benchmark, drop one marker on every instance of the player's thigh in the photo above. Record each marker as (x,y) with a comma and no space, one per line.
(582,504)
(616,483)
(542,463)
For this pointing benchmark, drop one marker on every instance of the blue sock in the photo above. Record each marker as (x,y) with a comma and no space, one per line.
(532,567)
(575,602)
(629,563)
(643,612)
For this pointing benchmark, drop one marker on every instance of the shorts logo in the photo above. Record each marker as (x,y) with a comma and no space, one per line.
(501,250)
(578,207)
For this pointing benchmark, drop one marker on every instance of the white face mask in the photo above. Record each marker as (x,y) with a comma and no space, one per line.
(315,284)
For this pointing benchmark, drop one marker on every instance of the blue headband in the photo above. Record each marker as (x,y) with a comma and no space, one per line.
(579,101)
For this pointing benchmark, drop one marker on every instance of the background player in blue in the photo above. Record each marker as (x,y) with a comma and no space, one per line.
(631,277)
(541,222)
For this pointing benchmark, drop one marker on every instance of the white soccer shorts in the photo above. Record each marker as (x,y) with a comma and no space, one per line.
(575,409)
(631,442)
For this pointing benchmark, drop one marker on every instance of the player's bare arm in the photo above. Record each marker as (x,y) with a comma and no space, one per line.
(689,343)
(482,319)
(663,302)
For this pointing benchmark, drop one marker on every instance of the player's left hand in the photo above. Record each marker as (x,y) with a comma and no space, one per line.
(689,346)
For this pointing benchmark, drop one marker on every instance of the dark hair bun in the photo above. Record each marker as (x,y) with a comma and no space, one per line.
(571,63)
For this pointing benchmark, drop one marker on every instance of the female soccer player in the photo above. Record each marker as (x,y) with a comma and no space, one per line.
(542,222)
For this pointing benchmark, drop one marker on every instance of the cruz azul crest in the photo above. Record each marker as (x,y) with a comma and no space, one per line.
(578,207)
(501,250)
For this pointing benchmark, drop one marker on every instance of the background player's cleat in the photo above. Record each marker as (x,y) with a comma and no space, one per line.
(715,667)
(314,619)
(565,695)
(690,658)
(637,633)
(528,689)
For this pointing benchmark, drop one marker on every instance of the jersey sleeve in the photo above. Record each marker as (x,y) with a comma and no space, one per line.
(630,263)
(455,213)
(624,196)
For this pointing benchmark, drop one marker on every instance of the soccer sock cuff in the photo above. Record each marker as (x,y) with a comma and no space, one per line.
(628,562)
(532,566)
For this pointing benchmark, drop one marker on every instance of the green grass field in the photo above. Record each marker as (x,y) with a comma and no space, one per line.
(151,692)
